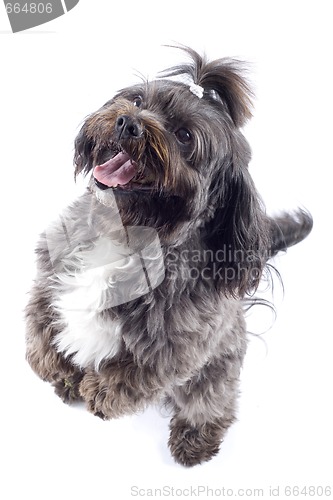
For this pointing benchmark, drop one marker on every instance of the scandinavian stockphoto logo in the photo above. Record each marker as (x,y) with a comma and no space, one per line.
(126,264)
(23,15)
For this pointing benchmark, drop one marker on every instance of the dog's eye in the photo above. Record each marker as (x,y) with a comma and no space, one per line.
(183,135)
(137,101)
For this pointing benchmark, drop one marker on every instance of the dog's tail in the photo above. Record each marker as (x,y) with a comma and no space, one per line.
(289,229)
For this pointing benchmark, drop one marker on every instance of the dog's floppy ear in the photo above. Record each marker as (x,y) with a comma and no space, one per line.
(221,79)
(237,234)
(83,152)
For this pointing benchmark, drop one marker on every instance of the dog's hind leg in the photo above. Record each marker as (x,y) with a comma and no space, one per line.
(41,354)
(205,407)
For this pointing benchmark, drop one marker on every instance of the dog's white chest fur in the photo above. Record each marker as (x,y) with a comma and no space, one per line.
(83,296)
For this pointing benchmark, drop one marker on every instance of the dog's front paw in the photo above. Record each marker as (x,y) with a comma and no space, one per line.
(94,392)
(106,395)
(116,391)
(192,445)
(68,388)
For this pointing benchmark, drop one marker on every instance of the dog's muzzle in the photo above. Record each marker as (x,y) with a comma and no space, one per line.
(121,168)
(128,127)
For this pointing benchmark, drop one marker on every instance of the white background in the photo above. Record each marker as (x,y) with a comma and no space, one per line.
(51,78)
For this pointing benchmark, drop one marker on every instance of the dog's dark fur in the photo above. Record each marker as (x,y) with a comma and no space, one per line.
(182,342)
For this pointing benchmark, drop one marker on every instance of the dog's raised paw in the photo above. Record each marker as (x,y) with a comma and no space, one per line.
(193,445)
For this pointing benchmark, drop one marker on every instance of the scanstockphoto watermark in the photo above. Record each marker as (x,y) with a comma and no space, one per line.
(225,254)
(131,262)
(202,491)
(205,491)
(128,262)
(226,263)
(23,14)
(215,272)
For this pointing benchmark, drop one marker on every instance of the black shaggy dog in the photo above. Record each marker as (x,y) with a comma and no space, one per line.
(141,283)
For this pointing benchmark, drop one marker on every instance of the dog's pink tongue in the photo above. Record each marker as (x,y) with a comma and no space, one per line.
(118,170)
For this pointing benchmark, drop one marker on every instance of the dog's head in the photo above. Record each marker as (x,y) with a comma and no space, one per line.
(173,155)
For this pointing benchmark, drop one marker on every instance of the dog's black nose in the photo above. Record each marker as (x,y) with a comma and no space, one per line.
(128,127)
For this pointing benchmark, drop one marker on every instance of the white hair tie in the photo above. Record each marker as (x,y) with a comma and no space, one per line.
(197,90)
